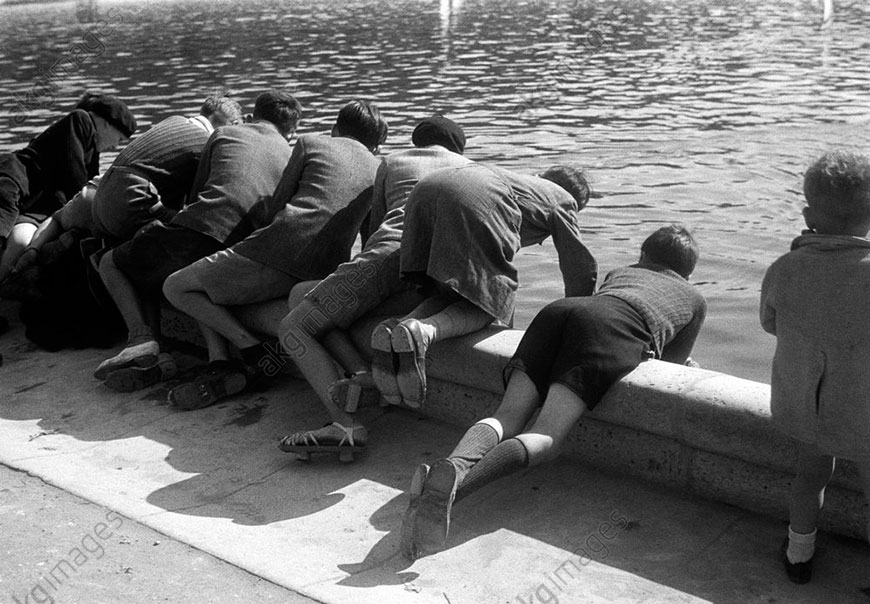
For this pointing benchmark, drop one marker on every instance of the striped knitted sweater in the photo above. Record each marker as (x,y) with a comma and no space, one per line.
(167,155)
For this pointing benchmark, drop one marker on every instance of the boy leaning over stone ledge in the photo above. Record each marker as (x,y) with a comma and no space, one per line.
(816,301)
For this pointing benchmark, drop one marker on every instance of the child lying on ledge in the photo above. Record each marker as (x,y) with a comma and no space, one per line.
(573,351)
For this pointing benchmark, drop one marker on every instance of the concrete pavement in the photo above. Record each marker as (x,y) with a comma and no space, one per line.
(215,480)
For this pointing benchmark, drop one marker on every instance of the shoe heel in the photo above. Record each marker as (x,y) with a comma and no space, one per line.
(354,393)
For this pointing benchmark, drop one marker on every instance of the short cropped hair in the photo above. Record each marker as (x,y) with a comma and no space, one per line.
(838,184)
(674,247)
(363,122)
(279,108)
(225,109)
(572,180)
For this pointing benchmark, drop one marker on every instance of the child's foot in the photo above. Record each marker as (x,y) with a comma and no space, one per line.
(384,363)
(433,512)
(350,393)
(142,354)
(801,571)
(409,522)
(130,379)
(333,437)
(220,380)
(410,346)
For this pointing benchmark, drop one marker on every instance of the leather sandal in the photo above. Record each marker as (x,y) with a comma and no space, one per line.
(209,387)
(331,438)
(407,544)
(351,392)
(384,362)
(130,379)
(410,347)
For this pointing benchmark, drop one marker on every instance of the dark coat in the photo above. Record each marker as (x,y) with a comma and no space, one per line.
(52,168)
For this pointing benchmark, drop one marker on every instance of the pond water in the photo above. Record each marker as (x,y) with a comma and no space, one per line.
(700,112)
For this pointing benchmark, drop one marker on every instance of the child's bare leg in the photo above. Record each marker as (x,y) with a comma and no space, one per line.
(262,317)
(185,292)
(342,349)
(814,470)
(456,319)
(429,307)
(215,344)
(445,482)
(298,335)
(141,343)
(18,239)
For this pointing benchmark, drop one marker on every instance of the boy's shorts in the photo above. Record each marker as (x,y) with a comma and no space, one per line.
(230,279)
(123,203)
(157,250)
(359,286)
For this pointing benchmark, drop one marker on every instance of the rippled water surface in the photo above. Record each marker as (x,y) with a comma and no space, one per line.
(701,112)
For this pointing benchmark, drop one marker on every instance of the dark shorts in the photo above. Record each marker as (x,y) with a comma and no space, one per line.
(157,250)
(585,343)
(125,202)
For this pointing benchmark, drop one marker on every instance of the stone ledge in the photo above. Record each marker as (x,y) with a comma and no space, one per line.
(694,429)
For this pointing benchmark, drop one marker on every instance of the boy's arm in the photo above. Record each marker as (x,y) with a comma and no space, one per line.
(203,169)
(767,310)
(79,130)
(289,183)
(379,204)
(680,346)
(578,265)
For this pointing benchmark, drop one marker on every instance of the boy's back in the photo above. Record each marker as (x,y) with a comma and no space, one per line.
(816,300)
(318,207)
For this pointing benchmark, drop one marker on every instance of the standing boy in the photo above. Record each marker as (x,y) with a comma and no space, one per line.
(816,301)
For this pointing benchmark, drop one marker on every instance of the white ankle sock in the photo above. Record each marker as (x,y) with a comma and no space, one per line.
(800,546)
(495,425)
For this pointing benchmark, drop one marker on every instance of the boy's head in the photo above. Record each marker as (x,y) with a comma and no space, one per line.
(572,180)
(279,108)
(362,121)
(837,189)
(221,110)
(115,120)
(439,130)
(673,247)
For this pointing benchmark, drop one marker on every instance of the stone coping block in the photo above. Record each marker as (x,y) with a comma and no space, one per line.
(695,429)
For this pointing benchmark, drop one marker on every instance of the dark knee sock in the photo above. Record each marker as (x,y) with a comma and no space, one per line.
(507,457)
(477,441)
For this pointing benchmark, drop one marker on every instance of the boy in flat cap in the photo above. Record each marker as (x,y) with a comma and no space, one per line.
(40,178)
(149,180)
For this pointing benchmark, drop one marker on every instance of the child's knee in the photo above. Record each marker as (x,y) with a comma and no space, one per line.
(174,287)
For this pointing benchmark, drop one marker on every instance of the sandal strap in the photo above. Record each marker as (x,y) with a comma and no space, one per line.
(348,434)
(309,438)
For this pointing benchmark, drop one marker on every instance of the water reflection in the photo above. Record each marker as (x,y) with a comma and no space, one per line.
(86,11)
(704,112)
